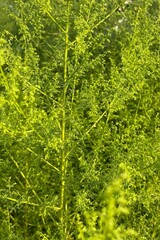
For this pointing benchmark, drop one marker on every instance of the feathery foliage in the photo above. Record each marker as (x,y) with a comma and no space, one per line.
(79,105)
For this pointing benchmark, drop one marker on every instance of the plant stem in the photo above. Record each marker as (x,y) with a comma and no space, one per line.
(63,132)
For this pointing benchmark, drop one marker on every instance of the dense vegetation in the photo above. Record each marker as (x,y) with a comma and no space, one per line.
(80,120)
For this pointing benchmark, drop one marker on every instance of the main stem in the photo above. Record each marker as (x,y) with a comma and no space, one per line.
(63,136)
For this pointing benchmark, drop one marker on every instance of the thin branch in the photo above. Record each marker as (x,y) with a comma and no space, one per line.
(43,93)
(30,150)
(52,18)
(30,203)
(22,174)
(94,125)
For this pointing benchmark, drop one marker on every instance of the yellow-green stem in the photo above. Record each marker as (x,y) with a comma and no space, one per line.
(63,153)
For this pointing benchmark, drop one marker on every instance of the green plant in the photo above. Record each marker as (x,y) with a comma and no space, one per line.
(103,224)
(79,98)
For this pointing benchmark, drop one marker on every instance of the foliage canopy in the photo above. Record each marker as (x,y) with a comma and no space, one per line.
(80,138)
